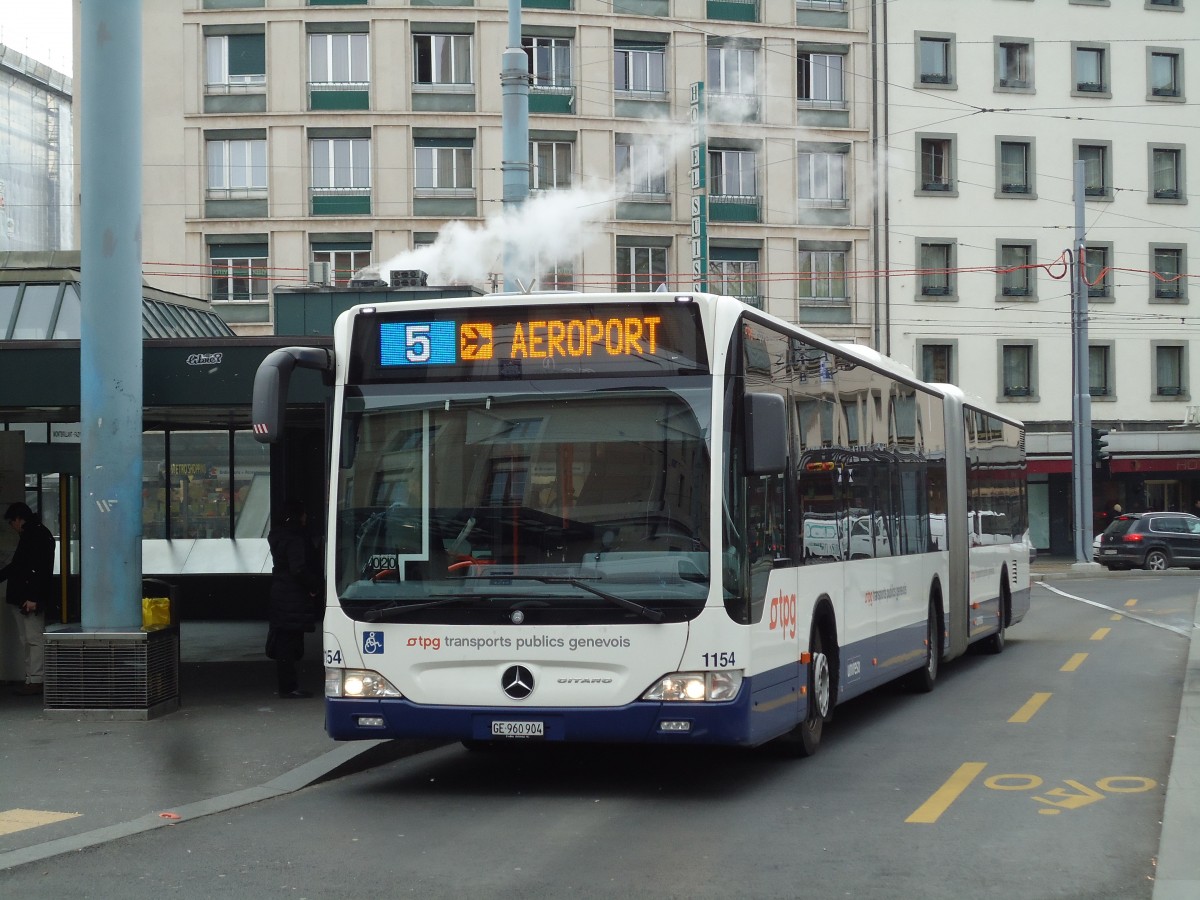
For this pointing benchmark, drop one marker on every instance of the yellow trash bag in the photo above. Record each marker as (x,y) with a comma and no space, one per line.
(156,612)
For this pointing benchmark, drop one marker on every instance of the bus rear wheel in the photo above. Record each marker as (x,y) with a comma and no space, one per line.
(924,678)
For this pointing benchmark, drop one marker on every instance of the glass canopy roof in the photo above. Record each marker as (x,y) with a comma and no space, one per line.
(50,311)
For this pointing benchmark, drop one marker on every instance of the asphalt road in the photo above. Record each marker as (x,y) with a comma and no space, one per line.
(1039,773)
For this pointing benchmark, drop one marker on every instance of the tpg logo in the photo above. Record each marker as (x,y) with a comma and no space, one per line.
(783,614)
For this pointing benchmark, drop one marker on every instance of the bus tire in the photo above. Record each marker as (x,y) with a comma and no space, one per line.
(995,644)
(924,678)
(805,738)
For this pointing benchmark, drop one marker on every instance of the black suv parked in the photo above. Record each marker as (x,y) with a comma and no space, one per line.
(1151,540)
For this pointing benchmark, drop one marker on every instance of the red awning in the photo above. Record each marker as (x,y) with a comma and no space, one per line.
(1047,466)
(1155,464)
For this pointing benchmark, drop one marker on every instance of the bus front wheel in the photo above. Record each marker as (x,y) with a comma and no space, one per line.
(805,738)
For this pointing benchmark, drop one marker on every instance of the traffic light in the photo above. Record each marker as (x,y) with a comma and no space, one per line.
(1100,450)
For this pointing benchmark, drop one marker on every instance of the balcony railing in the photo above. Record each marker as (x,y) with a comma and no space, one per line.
(935,78)
(1091,87)
(1014,187)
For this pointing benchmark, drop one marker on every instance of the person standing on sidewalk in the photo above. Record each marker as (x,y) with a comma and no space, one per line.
(30,577)
(295,598)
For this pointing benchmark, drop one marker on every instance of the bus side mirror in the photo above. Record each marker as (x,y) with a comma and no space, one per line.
(269,399)
(766,434)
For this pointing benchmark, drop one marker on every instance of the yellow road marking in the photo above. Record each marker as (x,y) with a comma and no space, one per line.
(20,819)
(1100,634)
(1026,712)
(1116,617)
(939,801)
(1131,603)
(1074,662)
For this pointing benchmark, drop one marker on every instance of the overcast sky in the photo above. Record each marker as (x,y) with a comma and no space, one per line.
(40,29)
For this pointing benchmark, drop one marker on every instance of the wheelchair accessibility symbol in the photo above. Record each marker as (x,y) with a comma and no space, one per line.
(372,642)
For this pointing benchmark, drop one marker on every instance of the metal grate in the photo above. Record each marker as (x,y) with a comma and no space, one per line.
(106,671)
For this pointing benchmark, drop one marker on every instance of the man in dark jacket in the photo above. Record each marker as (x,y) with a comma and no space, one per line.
(296,586)
(30,577)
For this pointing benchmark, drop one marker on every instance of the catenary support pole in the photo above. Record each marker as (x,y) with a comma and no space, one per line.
(1081,401)
(110,358)
(514,164)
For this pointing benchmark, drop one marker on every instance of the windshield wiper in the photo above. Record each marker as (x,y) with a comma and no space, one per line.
(378,613)
(645,612)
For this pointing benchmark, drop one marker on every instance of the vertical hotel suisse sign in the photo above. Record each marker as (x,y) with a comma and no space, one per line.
(699,190)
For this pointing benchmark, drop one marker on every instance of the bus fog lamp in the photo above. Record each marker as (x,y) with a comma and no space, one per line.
(676,726)
(696,687)
(370,721)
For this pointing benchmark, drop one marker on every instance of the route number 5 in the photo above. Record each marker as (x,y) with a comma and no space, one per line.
(417,346)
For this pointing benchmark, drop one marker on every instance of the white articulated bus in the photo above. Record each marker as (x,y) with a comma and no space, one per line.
(660,518)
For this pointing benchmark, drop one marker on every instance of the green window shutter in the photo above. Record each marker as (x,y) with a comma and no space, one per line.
(247,54)
(237,251)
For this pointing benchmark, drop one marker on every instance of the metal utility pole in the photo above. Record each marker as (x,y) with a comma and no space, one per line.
(514,164)
(1081,400)
(110,345)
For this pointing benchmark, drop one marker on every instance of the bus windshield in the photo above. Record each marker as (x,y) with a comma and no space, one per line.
(568,502)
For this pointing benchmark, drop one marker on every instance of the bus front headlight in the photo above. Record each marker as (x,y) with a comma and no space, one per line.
(358,683)
(696,686)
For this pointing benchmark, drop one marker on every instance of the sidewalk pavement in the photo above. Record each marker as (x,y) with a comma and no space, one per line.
(67,784)
(70,783)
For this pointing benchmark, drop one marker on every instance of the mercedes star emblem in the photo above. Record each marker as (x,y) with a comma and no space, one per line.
(517,682)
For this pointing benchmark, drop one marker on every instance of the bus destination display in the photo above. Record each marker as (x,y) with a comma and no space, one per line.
(504,342)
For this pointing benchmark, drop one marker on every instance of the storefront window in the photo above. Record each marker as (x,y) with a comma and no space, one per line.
(199,484)
(154,485)
(251,486)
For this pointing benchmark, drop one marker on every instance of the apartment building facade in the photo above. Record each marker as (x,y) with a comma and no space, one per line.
(988,106)
(351,133)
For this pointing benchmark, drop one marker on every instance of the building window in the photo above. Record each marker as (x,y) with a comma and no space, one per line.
(1097,169)
(558,277)
(343,260)
(549,61)
(339,59)
(1169,371)
(550,165)
(819,80)
(1096,271)
(442,61)
(935,60)
(732,85)
(732,173)
(238,273)
(236,168)
(235,63)
(1165,80)
(444,170)
(1168,280)
(822,276)
(937,165)
(1099,373)
(640,70)
(1091,69)
(1016,270)
(1166,173)
(341,164)
(735,278)
(641,168)
(732,69)
(641,268)
(936,269)
(1014,65)
(822,178)
(1016,167)
(937,361)
(1017,363)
